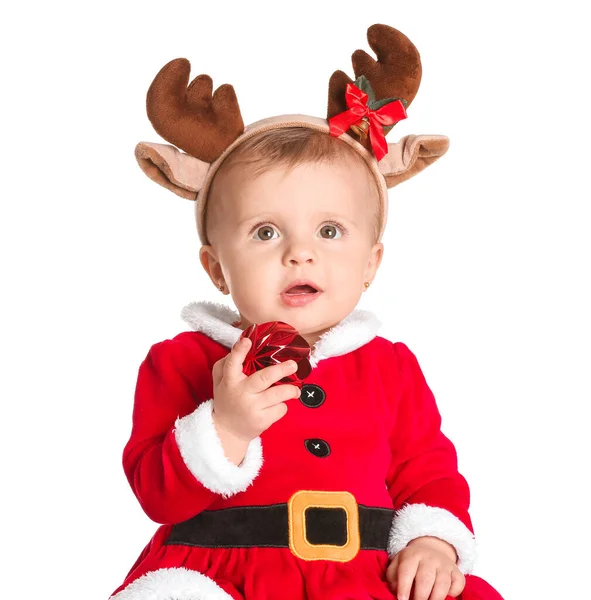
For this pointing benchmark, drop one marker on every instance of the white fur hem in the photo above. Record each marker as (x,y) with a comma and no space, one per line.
(180,584)
(417,520)
(203,453)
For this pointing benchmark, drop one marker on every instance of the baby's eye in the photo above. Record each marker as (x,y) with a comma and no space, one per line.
(266,233)
(330,232)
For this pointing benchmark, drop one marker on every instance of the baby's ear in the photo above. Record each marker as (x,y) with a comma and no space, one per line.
(411,155)
(181,173)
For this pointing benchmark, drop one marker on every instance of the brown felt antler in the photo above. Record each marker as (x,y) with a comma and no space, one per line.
(191,118)
(396,73)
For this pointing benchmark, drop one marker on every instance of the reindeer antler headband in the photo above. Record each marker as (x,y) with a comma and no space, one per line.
(209,126)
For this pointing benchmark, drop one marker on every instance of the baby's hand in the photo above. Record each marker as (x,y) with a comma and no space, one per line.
(244,406)
(426,561)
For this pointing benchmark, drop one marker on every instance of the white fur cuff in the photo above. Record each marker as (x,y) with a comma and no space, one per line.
(203,453)
(417,520)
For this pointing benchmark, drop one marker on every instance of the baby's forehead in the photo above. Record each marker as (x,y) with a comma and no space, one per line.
(342,174)
(321,184)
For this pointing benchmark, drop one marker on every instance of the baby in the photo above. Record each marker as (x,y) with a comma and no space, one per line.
(343,489)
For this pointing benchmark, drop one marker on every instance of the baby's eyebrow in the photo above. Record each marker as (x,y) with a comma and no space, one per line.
(257,217)
(349,221)
(334,215)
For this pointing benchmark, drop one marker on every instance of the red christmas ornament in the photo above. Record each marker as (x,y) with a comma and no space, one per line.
(273,343)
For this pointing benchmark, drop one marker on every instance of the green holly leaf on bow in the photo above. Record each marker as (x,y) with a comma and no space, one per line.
(362,82)
(379,103)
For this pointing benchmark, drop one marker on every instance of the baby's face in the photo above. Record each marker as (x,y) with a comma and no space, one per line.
(315,222)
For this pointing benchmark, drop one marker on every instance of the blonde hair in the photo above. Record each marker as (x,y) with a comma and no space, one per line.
(289,147)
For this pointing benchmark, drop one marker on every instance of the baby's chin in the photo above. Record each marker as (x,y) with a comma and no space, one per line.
(310,331)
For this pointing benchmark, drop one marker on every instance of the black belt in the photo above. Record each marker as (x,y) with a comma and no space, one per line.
(277,526)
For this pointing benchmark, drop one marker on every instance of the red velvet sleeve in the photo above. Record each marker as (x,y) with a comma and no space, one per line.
(431,496)
(174,460)
(161,481)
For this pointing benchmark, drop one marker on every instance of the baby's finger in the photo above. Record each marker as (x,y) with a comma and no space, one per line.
(279,393)
(217,369)
(274,413)
(391,572)
(261,380)
(458,583)
(232,369)
(405,575)
(424,580)
(441,586)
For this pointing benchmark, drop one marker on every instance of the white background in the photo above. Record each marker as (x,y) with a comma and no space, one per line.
(485,275)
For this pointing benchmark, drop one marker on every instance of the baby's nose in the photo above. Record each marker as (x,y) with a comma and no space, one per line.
(300,254)
(302,257)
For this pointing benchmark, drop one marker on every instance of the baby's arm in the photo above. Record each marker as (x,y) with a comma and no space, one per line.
(174,460)
(432,498)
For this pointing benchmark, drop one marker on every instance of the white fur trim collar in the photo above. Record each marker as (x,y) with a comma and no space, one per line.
(215,320)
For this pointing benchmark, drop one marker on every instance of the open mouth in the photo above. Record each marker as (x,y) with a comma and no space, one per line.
(300,294)
(299,290)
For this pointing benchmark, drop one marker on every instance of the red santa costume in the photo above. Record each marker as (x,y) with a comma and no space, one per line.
(364,442)
(358,467)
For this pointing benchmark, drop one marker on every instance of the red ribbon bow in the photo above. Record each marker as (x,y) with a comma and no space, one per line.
(386,115)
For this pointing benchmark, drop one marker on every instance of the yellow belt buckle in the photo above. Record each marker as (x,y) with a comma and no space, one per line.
(298,542)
